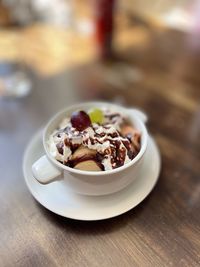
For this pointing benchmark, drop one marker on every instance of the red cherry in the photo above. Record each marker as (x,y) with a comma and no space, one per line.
(80,120)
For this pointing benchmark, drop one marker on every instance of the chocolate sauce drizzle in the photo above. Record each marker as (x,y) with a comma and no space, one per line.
(60,147)
(72,163)
(116,151)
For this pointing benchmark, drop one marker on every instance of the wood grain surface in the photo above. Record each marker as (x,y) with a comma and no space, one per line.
(161,77)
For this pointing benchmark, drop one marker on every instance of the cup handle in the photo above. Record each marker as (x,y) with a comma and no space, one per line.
(44,171)
(140,114)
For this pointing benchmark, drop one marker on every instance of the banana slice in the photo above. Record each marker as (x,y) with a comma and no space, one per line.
(87,165)
(128,130)
(83,151)
(134,135)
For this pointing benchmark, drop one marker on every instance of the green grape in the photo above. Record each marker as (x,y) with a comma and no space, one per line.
(96,115)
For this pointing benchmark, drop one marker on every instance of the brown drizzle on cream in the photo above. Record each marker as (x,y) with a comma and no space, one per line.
(72,163)
(115,148)
(60,146)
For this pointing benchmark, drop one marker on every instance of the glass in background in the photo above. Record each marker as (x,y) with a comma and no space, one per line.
(14,81)
(14,78)
(104,19)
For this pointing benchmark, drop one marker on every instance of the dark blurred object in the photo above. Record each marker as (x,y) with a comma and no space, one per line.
(13,80)
(104,10)
(5,18)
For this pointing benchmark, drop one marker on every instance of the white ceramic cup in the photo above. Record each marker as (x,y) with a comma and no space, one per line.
(47,169)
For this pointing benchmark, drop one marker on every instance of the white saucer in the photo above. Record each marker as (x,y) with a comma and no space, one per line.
(59,199)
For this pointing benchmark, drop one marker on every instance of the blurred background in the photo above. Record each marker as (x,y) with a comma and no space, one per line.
(57,52)
(48,37)
(137,53)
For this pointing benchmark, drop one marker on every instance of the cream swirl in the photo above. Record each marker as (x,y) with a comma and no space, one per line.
(112,149)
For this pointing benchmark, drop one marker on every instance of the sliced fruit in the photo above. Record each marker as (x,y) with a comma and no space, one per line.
(96,115)
(88,165)
(128,131)
(133,135)
(83,151)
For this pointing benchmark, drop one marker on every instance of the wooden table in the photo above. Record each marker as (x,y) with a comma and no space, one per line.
(164,230)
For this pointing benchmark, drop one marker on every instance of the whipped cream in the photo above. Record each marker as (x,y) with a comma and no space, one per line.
(112,148)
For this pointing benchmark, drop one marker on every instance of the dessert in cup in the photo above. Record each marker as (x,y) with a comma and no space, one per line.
(95,147)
